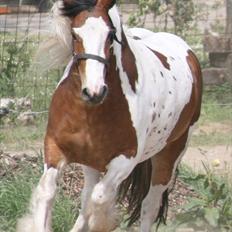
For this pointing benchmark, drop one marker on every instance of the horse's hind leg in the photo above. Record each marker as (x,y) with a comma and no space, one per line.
(164,166)
(39,217)
(91,177)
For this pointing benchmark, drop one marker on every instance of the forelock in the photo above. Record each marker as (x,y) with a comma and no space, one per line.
(72,8)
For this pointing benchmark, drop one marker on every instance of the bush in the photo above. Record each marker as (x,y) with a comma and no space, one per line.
(15,61)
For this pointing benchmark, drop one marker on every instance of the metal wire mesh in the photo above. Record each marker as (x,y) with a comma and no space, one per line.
(22,27)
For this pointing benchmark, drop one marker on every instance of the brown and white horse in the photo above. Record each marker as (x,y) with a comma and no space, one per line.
(123,110)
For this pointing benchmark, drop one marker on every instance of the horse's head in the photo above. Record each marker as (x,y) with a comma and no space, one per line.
(93,34)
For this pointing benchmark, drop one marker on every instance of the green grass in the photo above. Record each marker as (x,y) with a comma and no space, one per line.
(20,138)
(217,104)
(210,210)
(216,109)
(15,192)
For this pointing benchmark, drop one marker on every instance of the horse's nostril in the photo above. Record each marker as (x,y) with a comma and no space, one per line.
(86,94)
(96,97)
(103,91)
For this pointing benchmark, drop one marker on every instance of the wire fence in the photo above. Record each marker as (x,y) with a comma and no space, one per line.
(23,25)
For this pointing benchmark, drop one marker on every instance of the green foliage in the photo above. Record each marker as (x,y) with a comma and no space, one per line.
(181,12)
(144,7)
(19,76)
(211,210)
(15,191)
(220,94)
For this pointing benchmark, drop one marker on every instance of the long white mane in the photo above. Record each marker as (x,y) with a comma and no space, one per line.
(56,51)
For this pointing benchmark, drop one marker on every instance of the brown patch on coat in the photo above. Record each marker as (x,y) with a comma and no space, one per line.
(162,58)
(90,135)
(129,63)
(163,162)
(197,77)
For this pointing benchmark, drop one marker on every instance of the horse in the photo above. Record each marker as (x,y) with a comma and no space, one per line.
(123,110)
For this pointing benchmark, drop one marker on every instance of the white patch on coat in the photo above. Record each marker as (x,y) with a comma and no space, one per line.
(170,90)
(150,207)
(94,34)
(91,177)
(103,196)
(118,170)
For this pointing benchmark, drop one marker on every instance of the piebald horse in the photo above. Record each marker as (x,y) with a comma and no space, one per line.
(123,110)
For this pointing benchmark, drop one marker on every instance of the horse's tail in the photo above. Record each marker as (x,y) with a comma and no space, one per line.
(135,189)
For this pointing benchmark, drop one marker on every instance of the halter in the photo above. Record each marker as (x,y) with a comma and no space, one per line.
(85,56)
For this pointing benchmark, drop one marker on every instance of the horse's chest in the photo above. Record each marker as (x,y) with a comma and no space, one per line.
(96,139)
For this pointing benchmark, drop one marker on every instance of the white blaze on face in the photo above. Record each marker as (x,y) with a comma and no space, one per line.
(94,34)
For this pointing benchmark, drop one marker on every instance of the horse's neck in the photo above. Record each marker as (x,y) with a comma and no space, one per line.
(125,58)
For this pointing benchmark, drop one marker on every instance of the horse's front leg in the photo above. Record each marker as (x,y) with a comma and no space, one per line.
(91,178)
(39,217)
(104,193)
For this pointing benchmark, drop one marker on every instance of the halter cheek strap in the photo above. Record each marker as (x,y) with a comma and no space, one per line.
(86,56)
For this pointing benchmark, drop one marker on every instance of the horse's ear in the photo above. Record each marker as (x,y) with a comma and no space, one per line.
(107,4)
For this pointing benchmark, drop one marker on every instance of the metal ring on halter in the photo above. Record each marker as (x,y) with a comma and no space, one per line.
(86,56)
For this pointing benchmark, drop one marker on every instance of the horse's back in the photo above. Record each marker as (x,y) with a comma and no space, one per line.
(160,41)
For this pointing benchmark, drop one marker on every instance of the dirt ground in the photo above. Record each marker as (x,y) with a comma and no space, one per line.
(218,156)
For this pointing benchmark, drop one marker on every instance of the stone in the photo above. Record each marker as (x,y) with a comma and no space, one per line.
(214,76)
(218,59)
(215,43)
(23,103)
(6,103)
(27,118)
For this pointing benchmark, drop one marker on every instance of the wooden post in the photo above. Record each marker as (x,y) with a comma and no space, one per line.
(229,35)
(229,18)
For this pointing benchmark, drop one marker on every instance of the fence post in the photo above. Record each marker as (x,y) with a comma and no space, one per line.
(229,35)
(229,17)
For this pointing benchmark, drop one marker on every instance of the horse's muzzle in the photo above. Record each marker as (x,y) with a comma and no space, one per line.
(94,98)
